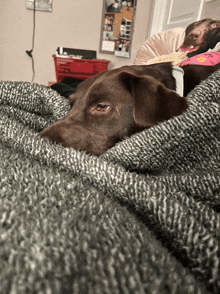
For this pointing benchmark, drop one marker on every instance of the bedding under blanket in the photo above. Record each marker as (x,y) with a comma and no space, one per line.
(142,218)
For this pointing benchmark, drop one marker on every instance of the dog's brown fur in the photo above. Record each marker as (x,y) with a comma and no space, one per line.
(115,104)
(204,33)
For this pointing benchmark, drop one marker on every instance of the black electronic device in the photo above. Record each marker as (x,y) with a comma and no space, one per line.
(78,53)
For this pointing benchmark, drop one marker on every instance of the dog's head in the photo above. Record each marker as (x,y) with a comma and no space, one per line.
(115,104)
(201,36)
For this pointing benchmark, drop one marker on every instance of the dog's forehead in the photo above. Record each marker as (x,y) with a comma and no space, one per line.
(207,22)
(202,22)
(106,86)
(114,85)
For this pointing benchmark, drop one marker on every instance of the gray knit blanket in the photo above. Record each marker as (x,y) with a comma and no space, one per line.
(142,218)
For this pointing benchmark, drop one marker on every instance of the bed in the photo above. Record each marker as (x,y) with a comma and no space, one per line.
(142,218)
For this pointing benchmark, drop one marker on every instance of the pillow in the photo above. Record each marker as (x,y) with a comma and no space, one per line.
(160,44)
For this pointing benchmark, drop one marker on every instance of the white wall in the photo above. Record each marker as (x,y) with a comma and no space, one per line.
(211,9)
(73,24)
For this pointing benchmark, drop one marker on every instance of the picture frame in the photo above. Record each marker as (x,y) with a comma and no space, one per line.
(41,5)
(117,27)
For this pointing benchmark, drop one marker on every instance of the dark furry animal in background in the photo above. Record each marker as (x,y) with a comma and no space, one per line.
(201,36)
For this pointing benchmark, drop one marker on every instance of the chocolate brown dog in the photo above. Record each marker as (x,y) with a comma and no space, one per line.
(115,104)
(201,36)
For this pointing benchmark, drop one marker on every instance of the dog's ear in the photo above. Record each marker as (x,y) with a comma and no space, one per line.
(152,101)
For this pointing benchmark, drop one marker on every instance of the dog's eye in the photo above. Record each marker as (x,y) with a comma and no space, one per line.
(102,108)
(214,25)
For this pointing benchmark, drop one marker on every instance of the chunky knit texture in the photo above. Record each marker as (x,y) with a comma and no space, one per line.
(142,218)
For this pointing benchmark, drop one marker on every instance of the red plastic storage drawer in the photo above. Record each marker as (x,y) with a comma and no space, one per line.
(78,68)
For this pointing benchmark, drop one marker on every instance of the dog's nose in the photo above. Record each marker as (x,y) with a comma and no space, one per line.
(195,35)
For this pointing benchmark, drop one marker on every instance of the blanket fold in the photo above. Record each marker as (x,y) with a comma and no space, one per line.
(141,218)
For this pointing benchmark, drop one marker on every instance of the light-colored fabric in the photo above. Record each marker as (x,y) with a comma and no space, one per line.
(216,48)
(175,58)
(163,43)
(178,74)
